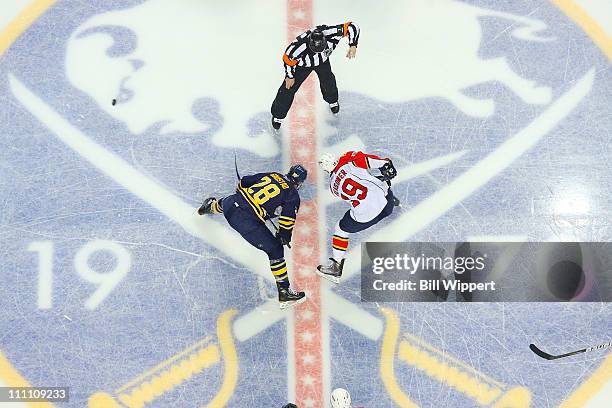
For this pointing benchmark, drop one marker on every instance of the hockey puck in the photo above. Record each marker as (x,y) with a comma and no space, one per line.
(114,102)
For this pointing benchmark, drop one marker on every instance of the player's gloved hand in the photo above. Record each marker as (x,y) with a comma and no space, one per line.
(388,171)
(283,240)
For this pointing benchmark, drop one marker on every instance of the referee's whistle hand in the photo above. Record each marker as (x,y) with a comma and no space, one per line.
(289,82)
(351,52)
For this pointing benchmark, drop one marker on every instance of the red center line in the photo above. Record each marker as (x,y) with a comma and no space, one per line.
(307,334)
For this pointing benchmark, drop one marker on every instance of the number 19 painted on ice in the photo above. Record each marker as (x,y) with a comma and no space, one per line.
(106,281)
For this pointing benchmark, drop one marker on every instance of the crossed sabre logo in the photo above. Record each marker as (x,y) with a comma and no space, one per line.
(400,229)
(179,369)
(442,367)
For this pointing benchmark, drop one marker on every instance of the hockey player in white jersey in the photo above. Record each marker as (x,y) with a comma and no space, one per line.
(363,181)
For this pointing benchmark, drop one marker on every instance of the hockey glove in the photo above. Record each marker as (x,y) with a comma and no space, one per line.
(388,171)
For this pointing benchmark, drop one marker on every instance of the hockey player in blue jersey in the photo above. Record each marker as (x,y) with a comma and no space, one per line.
(260,197)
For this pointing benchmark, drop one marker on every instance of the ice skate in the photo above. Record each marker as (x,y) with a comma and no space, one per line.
(276,123)
(289,297)
(331,272)
(207,206)
(334,107)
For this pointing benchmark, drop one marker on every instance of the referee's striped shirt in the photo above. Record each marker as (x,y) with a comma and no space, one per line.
(298,54)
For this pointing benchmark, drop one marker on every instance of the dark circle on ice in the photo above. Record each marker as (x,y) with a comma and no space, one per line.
(565,280)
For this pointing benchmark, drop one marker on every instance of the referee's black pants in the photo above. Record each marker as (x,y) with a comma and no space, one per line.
(284,96)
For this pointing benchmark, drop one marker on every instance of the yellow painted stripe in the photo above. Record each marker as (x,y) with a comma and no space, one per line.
(603,374)
(387,357)
(230,357)
(171,378)
(587,24)
(22,22)
(11,377)
(590,387)
(447,374)
(163,364)
(448,357)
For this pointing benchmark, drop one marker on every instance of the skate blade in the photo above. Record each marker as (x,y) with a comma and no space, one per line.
(287,305)
(329,278)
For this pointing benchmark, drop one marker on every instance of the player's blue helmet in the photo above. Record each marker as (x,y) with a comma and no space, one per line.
(297,174)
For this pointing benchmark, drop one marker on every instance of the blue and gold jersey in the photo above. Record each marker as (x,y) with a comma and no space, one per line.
(265,192)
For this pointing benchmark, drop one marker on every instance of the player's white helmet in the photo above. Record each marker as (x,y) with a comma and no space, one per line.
(328,162)
(340,398)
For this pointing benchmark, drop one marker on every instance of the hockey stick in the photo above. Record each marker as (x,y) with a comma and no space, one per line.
(547,356)
(236,165)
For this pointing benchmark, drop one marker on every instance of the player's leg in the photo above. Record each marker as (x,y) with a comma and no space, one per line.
(284,97)
(329,88)
(340,242)
(258,235)
(278,266)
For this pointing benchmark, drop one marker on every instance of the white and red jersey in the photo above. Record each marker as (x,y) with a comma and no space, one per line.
(351,181)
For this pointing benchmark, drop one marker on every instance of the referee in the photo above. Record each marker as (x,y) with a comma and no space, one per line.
(310,51)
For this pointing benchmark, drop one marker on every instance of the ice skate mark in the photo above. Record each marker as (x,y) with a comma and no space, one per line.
(414,170)
(159,80)
(451,63)
(436,205)
(478,108)
(589,25)
(528,29)
(160,198)
(234,135)
(591,389)
(179,369)
(523,28)
(353,316)
(11,377)
(22,22)
(148,190)
(444,368)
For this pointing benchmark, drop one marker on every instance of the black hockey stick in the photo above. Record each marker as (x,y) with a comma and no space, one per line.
(547,356)
(236,165)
